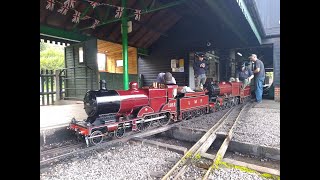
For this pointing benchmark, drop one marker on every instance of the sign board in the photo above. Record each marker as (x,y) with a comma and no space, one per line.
(129,27)
(173,63)
(119,63)
(177,65)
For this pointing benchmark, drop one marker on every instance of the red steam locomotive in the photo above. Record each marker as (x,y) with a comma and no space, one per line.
(112,112)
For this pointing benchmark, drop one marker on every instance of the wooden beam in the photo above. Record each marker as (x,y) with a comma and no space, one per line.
(244,164)
(205,146)
(252,166)
(208,156)
(83,14)
(193,129)
(170,147)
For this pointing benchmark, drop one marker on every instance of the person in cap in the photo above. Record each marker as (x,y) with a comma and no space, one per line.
(166,78)
(200,67)
(244,75)
(259,76)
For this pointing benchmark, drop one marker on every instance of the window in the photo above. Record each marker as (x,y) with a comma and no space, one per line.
(80,54)
(119,63)
(101,62)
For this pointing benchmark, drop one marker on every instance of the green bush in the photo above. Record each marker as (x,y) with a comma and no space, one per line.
(51,57)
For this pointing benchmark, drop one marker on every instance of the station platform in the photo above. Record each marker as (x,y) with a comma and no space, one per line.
(61,113)
(258,130)
(268,104)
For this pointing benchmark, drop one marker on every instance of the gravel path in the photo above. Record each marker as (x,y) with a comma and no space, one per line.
(205,121)
(259,126)
(58,144)
(234,174)
(196,170)
(193,172)
(127,161)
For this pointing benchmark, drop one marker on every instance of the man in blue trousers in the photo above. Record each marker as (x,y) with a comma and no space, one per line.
(259,76)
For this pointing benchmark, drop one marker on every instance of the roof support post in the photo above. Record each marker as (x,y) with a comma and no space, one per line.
(124,25)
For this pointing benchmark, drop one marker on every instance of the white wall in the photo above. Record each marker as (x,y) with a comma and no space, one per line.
(191,71)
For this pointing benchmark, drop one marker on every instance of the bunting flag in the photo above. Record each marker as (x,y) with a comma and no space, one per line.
(69,3)
(96,22)
(119,12)
(50,5)
(93,4)
(63,10)
(76,16)
(137,14)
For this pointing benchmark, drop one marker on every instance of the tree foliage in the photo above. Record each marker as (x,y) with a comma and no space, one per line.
(51,56)
(43,46)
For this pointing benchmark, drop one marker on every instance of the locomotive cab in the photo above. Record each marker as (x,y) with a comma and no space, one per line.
(172,90)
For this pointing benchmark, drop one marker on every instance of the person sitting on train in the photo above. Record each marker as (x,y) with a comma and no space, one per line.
(245,75)
(166,78)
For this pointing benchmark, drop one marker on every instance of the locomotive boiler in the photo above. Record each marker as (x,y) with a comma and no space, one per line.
(106,104)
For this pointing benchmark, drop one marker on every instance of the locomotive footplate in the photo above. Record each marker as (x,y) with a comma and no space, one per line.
(95,132)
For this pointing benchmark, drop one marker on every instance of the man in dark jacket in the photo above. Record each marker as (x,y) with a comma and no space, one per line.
(200,67)
(244,75)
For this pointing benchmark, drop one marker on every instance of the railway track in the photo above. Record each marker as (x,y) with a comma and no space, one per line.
(63,152)
(60,150)
(50,153)
(194,153)
(223,148)
(55,154)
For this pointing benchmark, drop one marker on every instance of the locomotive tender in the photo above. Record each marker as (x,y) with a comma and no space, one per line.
(112,112)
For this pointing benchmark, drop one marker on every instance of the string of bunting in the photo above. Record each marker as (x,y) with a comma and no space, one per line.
(70,4)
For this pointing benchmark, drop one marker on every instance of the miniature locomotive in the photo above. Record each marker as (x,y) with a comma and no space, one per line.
(113,112)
